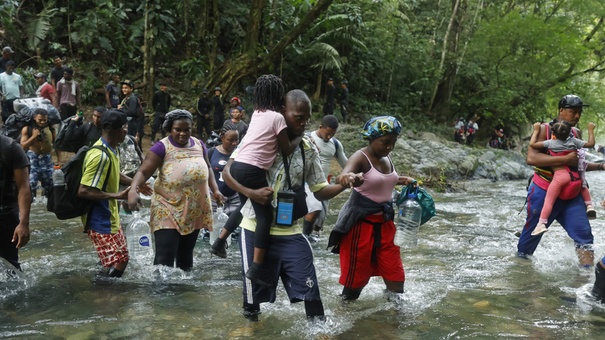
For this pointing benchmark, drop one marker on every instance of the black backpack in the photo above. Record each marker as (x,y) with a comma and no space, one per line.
(70,145)
(64,200)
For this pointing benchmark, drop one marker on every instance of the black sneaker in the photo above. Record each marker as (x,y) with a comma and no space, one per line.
(219,248)
(257,275)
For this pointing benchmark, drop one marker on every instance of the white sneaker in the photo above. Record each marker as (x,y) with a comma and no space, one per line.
(590,212)
(540,229)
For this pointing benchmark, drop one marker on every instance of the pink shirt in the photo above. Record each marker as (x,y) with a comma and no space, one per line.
(259,146)
(378,186)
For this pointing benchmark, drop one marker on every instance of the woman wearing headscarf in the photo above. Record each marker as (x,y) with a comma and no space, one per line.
(364,231)
(180,205)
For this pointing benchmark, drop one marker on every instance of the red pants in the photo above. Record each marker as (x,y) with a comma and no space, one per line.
(362,256)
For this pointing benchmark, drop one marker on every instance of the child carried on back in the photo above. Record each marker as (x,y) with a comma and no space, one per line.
(563,143)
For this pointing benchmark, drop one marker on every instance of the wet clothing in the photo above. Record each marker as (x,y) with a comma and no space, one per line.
(171,247)
(99,167)
(41,170)
(181,201)
(378,186)
(289,258)
(289,255)
(369,250)
(569,210)
(112,248)
(254,178)
(571,214)
(181,198)
(12,157)
(364,232)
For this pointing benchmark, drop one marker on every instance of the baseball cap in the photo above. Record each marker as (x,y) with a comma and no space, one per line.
(40,75)
(217,89)
(8,49)
(114,118)
(571,100)
(128,82)
(236,99)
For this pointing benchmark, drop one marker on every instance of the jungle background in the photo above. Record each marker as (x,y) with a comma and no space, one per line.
(428,62)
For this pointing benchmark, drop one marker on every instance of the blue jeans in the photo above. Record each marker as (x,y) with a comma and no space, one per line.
(571,214)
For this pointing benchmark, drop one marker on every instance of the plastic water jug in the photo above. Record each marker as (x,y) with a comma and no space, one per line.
(408,222)
(138,236)
(218,222)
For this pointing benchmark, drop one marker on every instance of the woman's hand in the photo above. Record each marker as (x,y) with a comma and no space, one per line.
(218,198)
(350,179)
(146,189)
(134,200)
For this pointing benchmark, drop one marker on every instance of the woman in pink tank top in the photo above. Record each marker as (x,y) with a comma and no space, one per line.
(364,231)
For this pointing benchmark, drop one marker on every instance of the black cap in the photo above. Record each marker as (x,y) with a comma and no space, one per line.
(217,89)
(571,100)
(205,91)
(115,119)
(128,82)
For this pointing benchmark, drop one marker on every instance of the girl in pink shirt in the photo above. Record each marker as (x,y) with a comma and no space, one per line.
(255,156)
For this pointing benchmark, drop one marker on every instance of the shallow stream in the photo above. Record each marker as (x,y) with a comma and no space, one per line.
(463,281)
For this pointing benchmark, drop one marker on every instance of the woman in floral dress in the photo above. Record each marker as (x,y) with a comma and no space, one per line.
(180,205)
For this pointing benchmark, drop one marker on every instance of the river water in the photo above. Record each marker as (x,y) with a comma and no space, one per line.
(463,281)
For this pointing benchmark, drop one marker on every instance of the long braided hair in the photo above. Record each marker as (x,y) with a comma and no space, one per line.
(268,93)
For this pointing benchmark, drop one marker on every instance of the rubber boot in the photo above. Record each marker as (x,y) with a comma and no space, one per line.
(598,290)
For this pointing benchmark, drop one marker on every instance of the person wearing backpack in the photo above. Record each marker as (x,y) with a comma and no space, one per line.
(37,140)
(15,200)
(100,184)
(131,106)
(75,135)
(329,148)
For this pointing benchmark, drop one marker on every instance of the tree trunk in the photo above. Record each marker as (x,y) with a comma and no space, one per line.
(442,94)
(148,54)
(253,30)
(250,63)
(318,83)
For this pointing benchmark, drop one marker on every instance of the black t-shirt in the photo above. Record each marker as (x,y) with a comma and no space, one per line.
(57,73)
(3,64)
(12,157)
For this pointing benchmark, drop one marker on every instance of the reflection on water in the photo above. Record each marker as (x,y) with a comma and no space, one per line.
(462,281)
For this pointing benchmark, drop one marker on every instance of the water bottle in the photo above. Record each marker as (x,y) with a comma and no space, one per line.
(138,236)
(218,222)
(58,177)
(408,223)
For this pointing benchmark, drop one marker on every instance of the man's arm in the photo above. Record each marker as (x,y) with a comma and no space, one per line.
(539,159)
(24,198)
(340,156)
(26,140)
(107,99)
(261,196)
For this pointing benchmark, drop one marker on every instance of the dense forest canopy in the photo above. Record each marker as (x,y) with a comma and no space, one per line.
(504,61)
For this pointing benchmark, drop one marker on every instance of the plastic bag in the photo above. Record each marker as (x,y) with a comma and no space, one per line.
(424,199)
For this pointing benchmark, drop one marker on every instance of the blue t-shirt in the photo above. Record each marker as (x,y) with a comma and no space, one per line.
(218,160)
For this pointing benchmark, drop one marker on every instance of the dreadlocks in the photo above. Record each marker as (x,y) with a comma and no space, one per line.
(268,93)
